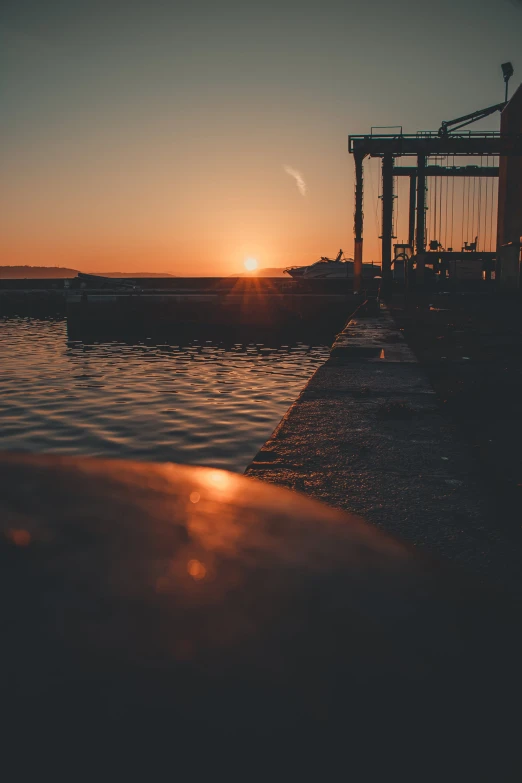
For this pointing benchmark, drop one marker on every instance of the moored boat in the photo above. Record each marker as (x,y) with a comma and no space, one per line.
(328,268)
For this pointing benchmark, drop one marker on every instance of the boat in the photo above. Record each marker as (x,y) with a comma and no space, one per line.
(328,268)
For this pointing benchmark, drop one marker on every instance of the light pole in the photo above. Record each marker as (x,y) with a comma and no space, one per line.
(507,71)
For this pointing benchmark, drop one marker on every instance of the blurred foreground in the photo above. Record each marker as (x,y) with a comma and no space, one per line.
(193,615)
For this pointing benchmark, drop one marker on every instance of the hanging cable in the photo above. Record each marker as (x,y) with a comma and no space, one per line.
(395,226)
(491,188)
(445,243)
(440,208)
(433,207)
(378,210)
(489,206)
(375,188)
(469,211)
(435,201)
(369,178)
(486,212)
(437,205)
(429,201)
(494,210)
(485,207)
(395,202)
(426,206)
(462,218)
(472,209)
(452,204)
(479,211)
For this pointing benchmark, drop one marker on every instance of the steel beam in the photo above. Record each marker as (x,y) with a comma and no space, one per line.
(432,144)
(387,216)
(420,240)
(358,224)
(448,171)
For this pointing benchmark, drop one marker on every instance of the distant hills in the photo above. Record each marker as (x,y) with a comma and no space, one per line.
(21,272)
(61,272)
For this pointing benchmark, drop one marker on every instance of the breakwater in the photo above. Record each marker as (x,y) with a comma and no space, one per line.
(150,306)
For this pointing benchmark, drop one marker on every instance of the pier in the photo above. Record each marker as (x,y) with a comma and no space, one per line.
(370,435)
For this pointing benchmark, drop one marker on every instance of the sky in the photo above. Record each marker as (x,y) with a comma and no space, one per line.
(184,137)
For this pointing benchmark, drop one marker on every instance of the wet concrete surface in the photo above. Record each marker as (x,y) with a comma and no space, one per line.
(470,347)
(370,435)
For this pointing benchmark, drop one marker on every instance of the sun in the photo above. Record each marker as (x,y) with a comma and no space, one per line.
(250,264)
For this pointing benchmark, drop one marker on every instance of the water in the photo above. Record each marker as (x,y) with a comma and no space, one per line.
(199,404)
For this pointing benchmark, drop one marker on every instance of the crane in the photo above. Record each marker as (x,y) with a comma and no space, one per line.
(474,116)
(467,119)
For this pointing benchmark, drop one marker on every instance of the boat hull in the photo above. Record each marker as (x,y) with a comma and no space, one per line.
(331,270)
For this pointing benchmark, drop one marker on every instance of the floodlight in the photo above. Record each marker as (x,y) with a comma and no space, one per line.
(507,72)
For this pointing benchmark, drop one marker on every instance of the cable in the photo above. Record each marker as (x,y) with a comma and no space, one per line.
(375,202)
(485,208)
(489,208)
(494,209)
(452,204)
(434,206)
(428,207)
(394,207)
(444,237)
(463,210)
(473,235)
(479,219)
(379,224)
(469,211)
(440,209)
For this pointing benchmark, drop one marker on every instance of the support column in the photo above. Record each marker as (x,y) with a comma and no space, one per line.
(358,225)
(413,204)
(387,216)
(420,241)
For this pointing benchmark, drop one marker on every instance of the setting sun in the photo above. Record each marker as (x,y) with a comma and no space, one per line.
(250,264)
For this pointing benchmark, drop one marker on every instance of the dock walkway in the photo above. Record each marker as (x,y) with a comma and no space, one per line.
(367,435)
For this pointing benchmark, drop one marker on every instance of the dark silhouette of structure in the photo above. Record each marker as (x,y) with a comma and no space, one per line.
(509,225)
(448,141)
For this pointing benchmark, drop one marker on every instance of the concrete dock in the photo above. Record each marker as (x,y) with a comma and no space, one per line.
(368,435)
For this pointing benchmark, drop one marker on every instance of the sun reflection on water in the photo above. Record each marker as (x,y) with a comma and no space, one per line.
(201,403)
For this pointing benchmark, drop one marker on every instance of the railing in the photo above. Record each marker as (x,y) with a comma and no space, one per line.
(420,135)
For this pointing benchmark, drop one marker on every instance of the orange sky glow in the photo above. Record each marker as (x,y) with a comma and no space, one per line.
(190,139)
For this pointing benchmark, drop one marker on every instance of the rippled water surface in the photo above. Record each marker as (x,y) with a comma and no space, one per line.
(203,404)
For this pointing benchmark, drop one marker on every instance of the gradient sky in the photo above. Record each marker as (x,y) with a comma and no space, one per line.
(162,136)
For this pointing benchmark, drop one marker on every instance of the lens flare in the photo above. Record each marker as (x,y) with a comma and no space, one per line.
(196,569)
